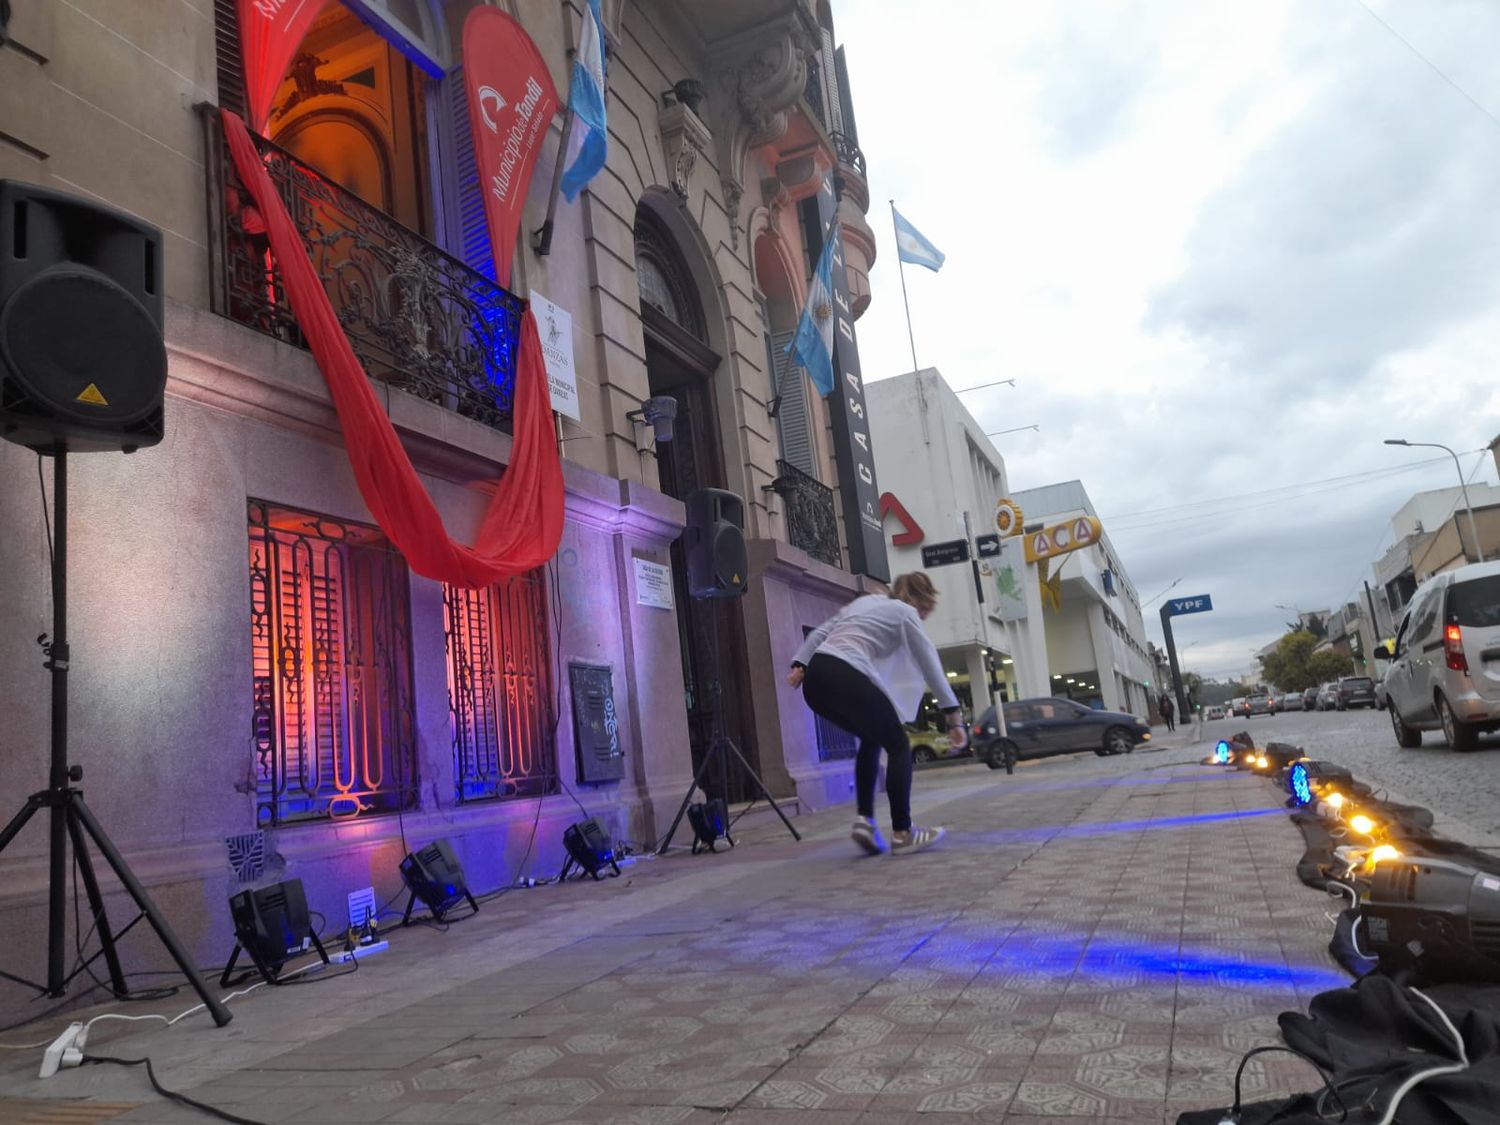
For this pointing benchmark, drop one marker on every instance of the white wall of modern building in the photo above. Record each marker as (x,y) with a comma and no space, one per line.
(931,455)
(1095,645)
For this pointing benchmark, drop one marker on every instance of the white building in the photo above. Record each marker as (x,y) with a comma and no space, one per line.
(935,466)
(1092,649)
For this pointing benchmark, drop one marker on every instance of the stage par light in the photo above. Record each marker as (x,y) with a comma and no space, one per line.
(1362,824)
(1382,854)
(434,875)
(272,925)
(1297,781)
(1221,752)
(1439,919)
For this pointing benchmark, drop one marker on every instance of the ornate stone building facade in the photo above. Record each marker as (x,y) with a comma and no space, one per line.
(250,655)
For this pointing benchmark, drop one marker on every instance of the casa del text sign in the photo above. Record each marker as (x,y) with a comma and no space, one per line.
(1199,603)
(1059,539)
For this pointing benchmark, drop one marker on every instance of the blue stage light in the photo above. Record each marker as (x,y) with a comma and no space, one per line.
(1297,782)
(1221,752)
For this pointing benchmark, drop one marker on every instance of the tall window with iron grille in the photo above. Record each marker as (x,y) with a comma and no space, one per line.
(500,687)
(331,649)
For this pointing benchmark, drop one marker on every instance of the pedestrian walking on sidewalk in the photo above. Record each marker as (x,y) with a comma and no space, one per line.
(862,670)
(1168,711)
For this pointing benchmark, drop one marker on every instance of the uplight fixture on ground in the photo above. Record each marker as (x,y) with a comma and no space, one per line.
(1362,824)
(1383,852)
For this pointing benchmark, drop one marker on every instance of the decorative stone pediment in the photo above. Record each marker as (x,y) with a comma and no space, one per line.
(683,138)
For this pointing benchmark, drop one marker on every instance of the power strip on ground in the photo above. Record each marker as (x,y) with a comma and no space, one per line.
(360,952)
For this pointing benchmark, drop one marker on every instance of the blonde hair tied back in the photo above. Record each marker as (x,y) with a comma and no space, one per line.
(916,590)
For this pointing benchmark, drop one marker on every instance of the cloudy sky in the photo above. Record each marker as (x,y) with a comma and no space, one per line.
(1224,249)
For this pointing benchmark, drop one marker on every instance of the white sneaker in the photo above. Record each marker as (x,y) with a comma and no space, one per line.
(914,839)
(867,836)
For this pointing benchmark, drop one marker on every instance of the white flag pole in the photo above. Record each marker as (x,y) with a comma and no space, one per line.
(904,302)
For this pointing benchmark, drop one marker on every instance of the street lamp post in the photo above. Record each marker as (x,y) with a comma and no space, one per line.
(1012,430)
(982,386)
(1463,486)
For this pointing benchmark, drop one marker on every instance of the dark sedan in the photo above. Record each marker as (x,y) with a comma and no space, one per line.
(1356,691)
(1036,728)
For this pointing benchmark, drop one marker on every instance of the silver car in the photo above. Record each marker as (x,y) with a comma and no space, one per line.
(1445,667)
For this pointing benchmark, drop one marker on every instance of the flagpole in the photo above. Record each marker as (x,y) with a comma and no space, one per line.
(904,302)
(544,234)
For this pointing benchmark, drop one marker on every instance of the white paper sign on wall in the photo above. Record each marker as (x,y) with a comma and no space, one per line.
(555,326)
(653,584)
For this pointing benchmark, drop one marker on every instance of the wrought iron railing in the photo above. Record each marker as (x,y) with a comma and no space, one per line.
(849,153)
(417,317)
(811,522)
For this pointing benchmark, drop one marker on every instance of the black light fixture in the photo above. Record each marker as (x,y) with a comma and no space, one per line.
(271,925)
(709,820)
(1436,919)
(434,875)
(589,848)
(687,91)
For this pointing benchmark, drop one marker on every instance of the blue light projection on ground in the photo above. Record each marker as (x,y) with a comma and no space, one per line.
(1055,831)
(1118,958)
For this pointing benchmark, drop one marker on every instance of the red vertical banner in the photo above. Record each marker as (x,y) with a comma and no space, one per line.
(511,103)
(270,33)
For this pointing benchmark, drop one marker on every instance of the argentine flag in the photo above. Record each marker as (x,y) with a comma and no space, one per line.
(586,102)
(912,247)
(812,346)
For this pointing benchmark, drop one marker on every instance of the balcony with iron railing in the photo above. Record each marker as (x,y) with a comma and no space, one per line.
(419,319)
(812,523)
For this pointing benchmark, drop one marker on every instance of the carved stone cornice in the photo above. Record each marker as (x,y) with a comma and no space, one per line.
(761,74)
(683,138)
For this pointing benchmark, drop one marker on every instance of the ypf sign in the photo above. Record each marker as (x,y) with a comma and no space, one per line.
(1059,539)
(1199,603)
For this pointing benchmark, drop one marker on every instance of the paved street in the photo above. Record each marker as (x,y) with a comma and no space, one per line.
(1099,940)
(1463,790)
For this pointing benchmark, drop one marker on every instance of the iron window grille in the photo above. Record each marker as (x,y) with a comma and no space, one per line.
(500,689)
(331,655)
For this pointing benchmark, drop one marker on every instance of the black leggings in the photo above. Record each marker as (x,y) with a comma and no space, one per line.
(844,696)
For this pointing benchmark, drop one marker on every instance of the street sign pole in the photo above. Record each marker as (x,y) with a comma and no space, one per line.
(1166,628)
(973,558)
(1175,607)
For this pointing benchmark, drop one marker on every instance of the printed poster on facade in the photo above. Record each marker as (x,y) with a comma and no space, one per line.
(555,326)
(653,584)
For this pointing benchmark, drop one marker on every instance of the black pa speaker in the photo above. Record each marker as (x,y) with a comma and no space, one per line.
(714,543)
(82,363)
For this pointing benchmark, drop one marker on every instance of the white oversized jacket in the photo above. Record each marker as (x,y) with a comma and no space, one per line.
(883,638)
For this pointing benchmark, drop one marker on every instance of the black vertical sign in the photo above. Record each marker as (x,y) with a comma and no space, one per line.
(852,450)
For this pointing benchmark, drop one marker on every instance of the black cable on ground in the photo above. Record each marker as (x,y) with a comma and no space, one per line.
(172,1095)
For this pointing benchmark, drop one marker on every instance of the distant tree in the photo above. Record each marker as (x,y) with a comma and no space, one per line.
(1328,665)
(1286,665)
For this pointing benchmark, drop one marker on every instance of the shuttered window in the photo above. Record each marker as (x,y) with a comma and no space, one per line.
(464,231)
(227,56)
(793,419)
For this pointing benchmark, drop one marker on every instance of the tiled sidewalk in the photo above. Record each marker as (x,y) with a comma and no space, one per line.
(1097,940)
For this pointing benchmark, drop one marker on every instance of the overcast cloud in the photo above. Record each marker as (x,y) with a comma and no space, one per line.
(1223,248)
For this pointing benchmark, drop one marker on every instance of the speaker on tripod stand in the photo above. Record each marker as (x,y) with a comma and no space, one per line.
(714,545)
(83,368)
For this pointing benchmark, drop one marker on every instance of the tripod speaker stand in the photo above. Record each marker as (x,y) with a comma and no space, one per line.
(82,367)
(71,819)
(719,749)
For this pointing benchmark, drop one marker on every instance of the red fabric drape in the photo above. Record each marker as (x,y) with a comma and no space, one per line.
(523,525)
(270,33)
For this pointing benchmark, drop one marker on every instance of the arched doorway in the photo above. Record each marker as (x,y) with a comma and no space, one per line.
(680,363)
